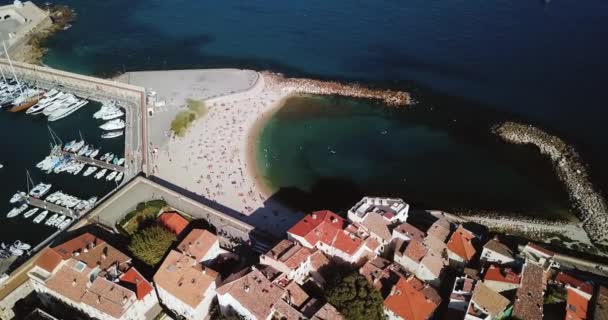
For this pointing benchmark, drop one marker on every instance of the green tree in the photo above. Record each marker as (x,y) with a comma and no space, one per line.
(355,298)
(150,244)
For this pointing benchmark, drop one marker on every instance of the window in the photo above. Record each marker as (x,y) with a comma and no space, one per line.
(571,308)
(79,266)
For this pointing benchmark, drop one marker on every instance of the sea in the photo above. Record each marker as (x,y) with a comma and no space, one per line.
(468,64)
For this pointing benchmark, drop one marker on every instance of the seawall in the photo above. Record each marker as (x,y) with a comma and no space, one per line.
(569,167)
(319,87)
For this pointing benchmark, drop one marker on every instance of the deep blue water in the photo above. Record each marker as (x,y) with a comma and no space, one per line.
(525,60)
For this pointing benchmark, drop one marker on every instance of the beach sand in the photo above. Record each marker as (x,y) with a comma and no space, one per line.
(216,157)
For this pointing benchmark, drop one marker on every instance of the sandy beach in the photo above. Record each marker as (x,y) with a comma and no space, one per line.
(216,157)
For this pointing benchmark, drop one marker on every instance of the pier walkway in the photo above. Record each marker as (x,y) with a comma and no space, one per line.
(94,162)
(50,207)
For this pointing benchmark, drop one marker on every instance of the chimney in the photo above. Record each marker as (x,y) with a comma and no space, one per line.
(91,245)
(246,288)
(124,299)
(85,250)
(98,299)
(74,282)
(314,216)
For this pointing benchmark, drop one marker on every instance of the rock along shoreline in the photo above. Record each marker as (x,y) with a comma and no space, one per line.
(319,87)
(589,203)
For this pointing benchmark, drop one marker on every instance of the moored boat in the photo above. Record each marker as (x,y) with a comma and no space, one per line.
(41,216)
(30,212)
(112,134)
(16,211)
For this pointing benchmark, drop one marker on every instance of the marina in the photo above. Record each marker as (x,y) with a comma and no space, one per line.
(41,99)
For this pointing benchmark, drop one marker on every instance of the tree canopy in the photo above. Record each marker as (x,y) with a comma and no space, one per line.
(150,244)
(355,298)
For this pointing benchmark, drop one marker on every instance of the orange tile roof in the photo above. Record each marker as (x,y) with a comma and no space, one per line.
(576,306)
(502,275)
(347,243)
(415,250)
(67,248)
(529,297)
(197,243)
(48,260)
(318,260)
(142,286)
(565,278)
(461,243)
(69,282)
(289,253)
(173,221)
(184,278)
(412,300)
(108,297)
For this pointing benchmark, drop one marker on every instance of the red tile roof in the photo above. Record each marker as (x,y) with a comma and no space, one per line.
(329,228)
(67,248)
(173,221)
(142,286)
(501,275)
(415,250)
(412,300)
(529,297)
(48,260)
(461,243)
(540,249)
(567,279)
(577,305)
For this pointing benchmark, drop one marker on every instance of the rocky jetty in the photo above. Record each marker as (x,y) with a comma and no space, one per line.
(588,202)
(318,87)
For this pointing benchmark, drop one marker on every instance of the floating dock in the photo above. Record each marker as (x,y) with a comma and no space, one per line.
(94,162)
(50,207)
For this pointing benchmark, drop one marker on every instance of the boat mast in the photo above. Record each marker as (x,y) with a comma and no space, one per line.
(4,79)
(29,180)
(12,68)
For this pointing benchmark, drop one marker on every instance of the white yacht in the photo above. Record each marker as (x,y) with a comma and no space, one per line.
(115,124)
(41,216)
(112,134)
(16,211)
(15,251)
(84,150)
(120,161)
(64,224)
(116,113)
(89,171)
(17,197)
(76,146)
(111,176)
(51,220)
(30,212)
(69,100)
(100,174)
(40,190)
(110,157)
(118,177)
(21,245)
(66,111)
(94,154)
(47,99)
(59,220)
(79,168)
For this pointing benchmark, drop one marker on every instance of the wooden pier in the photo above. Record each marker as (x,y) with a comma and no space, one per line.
(94,162)
(50,207)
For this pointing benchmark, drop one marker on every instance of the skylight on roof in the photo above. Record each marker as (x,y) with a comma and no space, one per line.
(79,266)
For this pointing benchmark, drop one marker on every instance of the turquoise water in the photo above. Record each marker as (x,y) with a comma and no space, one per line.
(328,152)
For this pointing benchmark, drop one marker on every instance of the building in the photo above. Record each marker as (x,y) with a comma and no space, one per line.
(501,279)
(537,254)
(382,274)
(486,304)
(185,285)
(407,232)
(201,245)
(252,295)
(173,221)
(328,232)
(461,293)
(327,312)
(416,258)
(496,252)
(290,258)
(579,293)
(88,274)
(411,299)
(461,248)
(529,297)
(393,210)
(440,229)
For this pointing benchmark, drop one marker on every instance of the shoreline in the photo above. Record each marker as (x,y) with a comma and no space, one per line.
(252,142)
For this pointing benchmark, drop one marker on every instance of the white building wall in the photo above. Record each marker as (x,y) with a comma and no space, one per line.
(495,257)
(213,252)
(424,274)
(300,240)
(406,262)
(391,315)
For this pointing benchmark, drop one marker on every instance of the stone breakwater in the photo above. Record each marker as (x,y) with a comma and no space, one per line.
(318,87)
(570,169)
